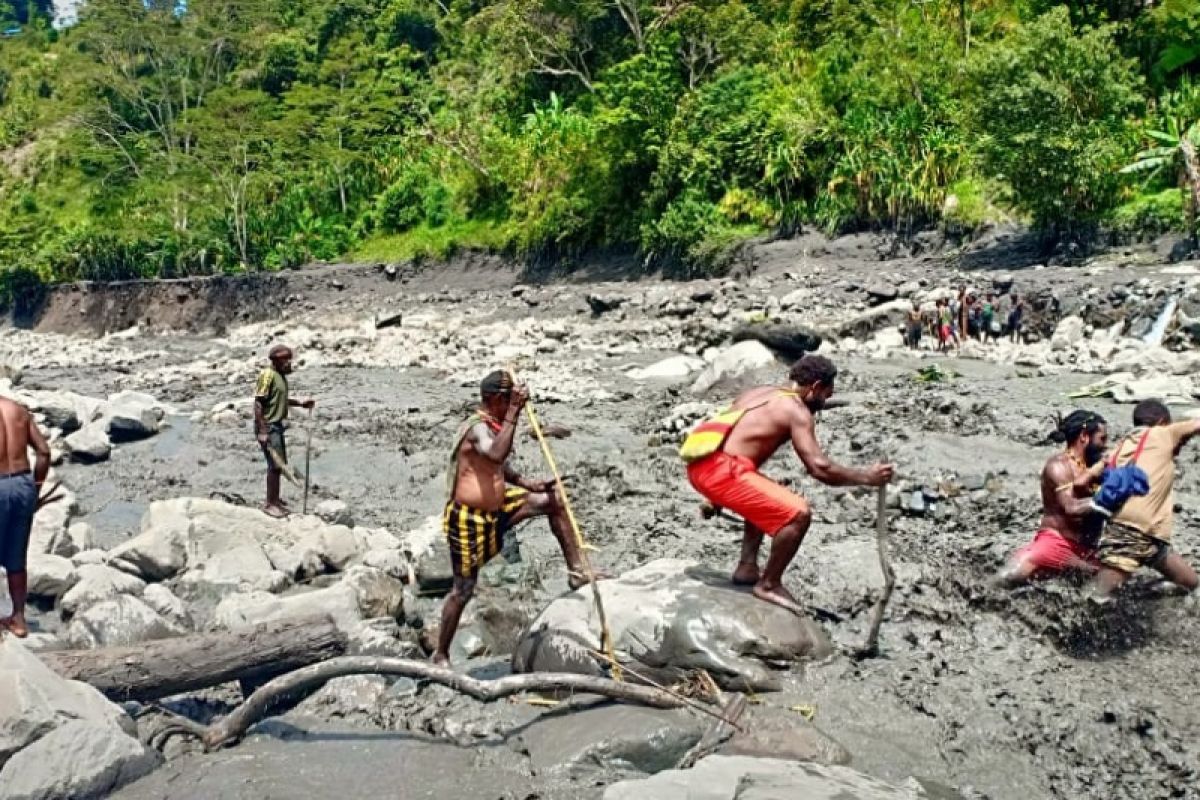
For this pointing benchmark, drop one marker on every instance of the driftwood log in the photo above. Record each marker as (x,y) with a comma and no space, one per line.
(232,727)
(166,667)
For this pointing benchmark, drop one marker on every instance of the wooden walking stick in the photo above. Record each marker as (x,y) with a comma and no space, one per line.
(307,459)
(870,647)
(606,642)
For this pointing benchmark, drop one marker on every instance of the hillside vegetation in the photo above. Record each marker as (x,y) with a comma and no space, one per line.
(157,139)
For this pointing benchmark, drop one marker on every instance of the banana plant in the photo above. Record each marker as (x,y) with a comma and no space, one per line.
(1174,148)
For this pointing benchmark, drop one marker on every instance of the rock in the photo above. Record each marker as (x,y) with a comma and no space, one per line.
(59,410)
(389,561)
(81,536)
(908,288)
(129,416)
(34,700)
(888,315)
(745,778)
(334,546)
(789,342)
(425,547)
(352,695)
(89,556)
(1067,334)
(733,362)
(335,512)
(155,554)
(1124,387)
(168,606)
(82,759)
(600,304)
(98,583)
(88,445)
(363,593)
(673,616)
(669,369)
(50,576)
(878,294)
(49,534)
(122,620)
(773,732)
(615,738)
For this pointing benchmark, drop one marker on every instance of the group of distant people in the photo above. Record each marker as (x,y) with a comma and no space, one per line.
(966,316)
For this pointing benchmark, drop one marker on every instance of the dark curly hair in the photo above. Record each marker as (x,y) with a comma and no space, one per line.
(813,369)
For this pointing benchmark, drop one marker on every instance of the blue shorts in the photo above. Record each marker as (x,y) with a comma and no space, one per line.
(18,501)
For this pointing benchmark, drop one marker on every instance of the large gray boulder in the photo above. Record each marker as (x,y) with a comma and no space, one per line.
(362,594)
(34,700)
(97,583)
(130,416)
(50,532)
(744,778)
(675,368)
(88,445)
(119,621)
(80,760)
(731,363)
(671,617)
(50,576)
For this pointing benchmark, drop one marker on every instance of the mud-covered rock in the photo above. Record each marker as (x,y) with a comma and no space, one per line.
(616,738)
(675,368)
(672,616)
(773,732)
(362,594)
(743,778)
(88,445)
(335,512)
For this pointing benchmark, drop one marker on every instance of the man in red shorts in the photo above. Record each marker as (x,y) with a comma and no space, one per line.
(1067,483)
(723,455)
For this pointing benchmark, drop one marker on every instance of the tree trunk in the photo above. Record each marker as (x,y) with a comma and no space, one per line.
(171,666)
(1191,166)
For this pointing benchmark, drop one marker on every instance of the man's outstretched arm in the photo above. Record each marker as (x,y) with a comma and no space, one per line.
(825,469)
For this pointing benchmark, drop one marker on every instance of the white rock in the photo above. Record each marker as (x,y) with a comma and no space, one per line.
(669,369)
(363,593)
(49,534)
(50,576)
(129,416)
(335,512)
(167,605)
(90,556)
(35,700)
(119,621)
(81,759)
(1067,334)
(733,362)
(96,583)
(89,444)
(390,561)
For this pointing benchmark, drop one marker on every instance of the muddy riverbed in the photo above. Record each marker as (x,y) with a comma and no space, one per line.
(1002,695)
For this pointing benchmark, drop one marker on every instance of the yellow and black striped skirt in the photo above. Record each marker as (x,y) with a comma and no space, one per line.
(475,537)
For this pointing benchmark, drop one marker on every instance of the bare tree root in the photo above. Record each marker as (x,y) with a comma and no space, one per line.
(231,728)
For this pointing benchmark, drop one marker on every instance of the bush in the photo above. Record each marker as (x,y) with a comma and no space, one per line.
(1051,109)
(1148,215)
(21,290)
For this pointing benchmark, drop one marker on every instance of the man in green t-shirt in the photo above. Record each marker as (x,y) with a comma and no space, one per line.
(271,405)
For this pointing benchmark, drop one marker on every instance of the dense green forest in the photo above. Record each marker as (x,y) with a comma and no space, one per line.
(170,138)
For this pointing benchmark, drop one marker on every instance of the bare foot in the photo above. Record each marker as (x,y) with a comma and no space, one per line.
(16,626)
(745,573)
(780,597)
(276,511)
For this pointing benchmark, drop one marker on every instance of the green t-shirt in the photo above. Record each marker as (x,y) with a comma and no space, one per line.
(272,391)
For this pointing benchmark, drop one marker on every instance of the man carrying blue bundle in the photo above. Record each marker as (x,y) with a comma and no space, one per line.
(1139,532)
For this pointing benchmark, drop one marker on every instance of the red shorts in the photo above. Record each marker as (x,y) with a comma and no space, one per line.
(733,482)
(1050,551)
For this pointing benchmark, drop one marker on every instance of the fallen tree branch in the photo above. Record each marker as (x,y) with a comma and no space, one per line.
(232,727)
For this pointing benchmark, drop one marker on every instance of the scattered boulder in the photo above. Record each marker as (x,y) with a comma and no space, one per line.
(773,732)
(669,369)
(744,778)
(97,583)
(887,315)
(130,416)
(168,606)
(602,303)
(34,700)
(88,445)
(733,362)
(122,620)
(612,736)
(50,576)
(789,342)
(82,759)
(1067,334)
(363,593)
(335,512)
(672,616)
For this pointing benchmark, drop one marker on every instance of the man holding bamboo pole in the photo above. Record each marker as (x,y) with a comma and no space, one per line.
(488,498)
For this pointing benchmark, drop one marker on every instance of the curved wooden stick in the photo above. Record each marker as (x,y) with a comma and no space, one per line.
(233,726)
